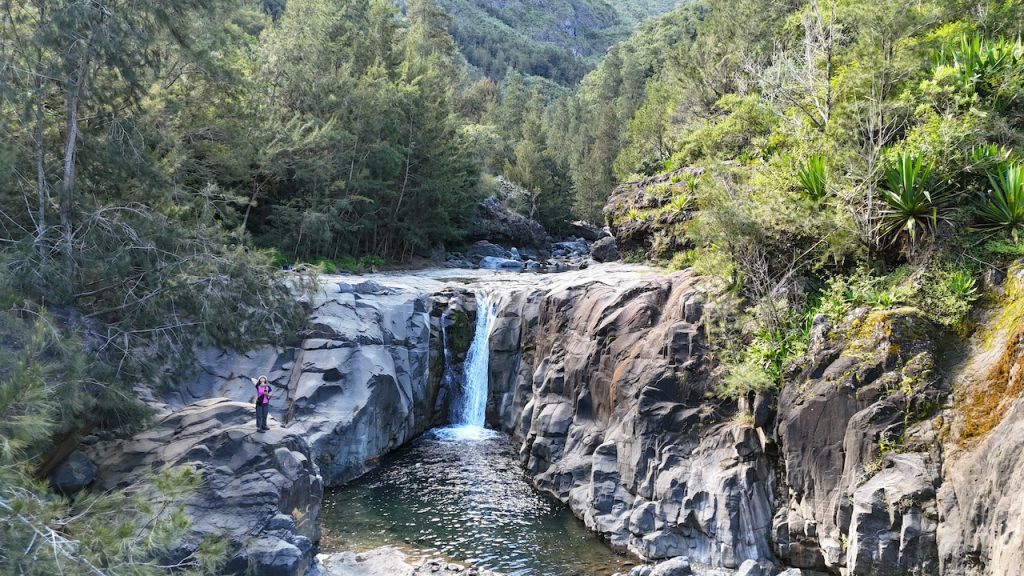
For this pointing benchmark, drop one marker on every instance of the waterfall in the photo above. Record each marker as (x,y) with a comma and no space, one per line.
(469,409)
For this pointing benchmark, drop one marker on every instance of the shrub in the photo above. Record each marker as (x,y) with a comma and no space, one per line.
(983,66)
(1003,208)
(813,177)
(913,203)
(679,203)
(743,378)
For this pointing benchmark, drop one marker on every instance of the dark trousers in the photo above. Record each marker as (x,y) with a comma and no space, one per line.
(262,410)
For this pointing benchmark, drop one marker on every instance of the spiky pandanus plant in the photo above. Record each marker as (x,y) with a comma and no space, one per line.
(814,177)
(982,65)
(1002,209)
(914,201)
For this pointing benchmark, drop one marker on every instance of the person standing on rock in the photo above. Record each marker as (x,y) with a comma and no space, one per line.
(263,391)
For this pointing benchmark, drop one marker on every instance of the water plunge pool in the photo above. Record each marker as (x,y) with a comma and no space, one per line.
(459,494)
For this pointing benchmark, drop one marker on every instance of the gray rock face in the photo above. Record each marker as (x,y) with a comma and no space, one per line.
(260,491)
(982,509)
(360,386)
(852,505)
(605,250)
(75,473)
(495,222)
(604,385)
(356,388)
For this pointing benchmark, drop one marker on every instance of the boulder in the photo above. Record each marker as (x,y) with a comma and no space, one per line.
(589,231)
(679,566)
(749,568)
(259,491)
(605,250)
(75,473)
(484,249)
(495,222)
(493,263)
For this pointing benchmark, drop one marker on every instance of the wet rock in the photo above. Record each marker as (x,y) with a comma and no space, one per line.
(388,562)
(493,263)
(75,473)
(605,250)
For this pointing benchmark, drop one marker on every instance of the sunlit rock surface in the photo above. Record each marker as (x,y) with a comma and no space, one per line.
(260,491)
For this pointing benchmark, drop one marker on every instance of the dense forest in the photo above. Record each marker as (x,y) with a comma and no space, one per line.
(159,162)
(559,41)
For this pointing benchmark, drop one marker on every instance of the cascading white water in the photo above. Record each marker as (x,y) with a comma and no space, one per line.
(468,410)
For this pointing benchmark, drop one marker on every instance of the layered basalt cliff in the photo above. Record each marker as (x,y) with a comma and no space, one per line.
(869,460)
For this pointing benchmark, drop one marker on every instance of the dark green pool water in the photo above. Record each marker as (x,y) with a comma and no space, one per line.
(459,494)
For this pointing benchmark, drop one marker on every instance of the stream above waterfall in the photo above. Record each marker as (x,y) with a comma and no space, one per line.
(459,495)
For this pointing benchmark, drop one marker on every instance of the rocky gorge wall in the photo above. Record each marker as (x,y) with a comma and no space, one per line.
(845,471)
(866,462)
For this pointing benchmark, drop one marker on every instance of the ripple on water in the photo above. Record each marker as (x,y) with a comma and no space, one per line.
(457,493)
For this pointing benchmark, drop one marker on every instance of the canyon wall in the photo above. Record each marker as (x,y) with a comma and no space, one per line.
(606,385)
(888,451)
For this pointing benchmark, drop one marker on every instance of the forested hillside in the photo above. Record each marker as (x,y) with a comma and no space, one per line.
(818,157)
(560,41)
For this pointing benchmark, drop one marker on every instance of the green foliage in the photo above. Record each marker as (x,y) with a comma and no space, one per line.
(947,293)
(48,388)
(844,293)
(914,204)
(813,177)
(742,379)
(1003,208)
(990,68)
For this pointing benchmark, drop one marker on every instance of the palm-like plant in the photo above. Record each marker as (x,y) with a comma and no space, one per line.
(913,204)
(813,177)
(981,64)
(1003,208)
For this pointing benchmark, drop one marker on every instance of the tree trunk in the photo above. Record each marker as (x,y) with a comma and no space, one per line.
(42,190)
(75,89)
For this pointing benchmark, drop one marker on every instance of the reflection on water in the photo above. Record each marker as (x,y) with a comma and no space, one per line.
(458,493)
